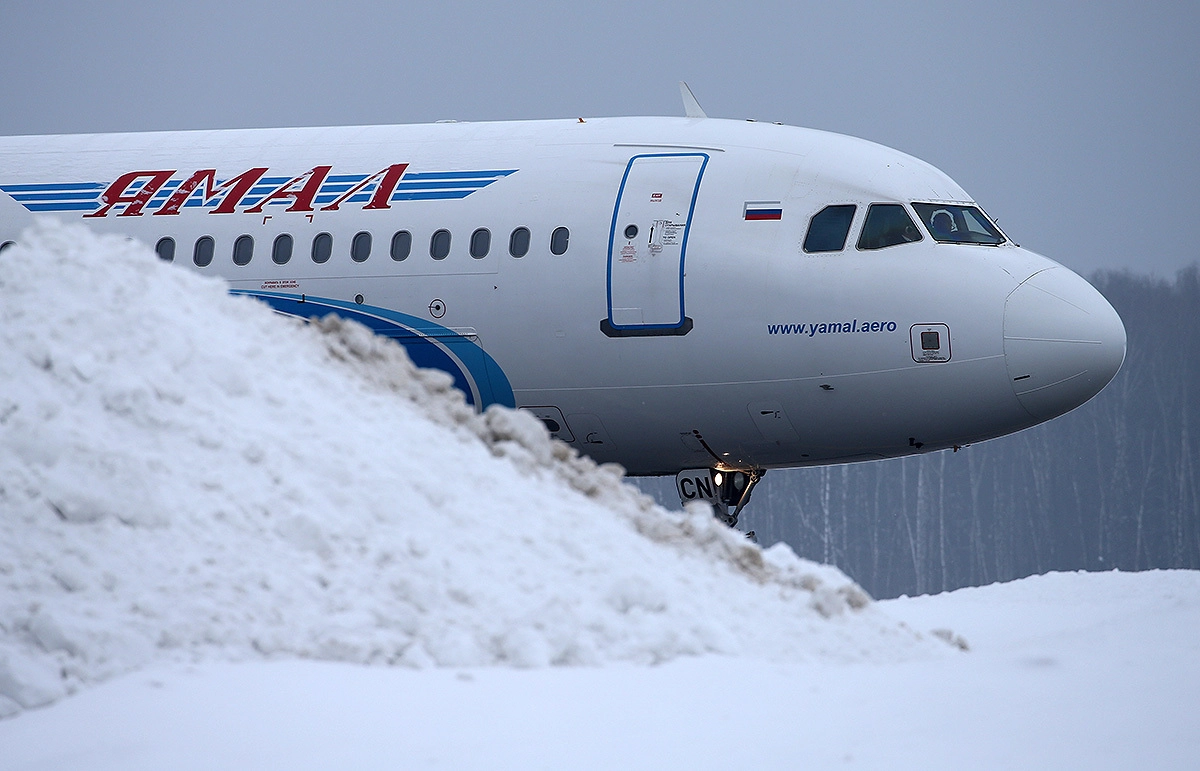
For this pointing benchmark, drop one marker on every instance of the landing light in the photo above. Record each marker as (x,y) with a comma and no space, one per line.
(717,477)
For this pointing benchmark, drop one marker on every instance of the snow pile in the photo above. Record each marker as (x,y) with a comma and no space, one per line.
(185,475)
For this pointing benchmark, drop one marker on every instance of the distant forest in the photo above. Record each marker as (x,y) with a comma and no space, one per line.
(1111,485)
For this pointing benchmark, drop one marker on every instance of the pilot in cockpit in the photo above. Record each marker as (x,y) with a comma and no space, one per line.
(941,224)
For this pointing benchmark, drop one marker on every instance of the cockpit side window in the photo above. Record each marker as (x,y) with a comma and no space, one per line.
(828,229)
(954,224)
(887,224)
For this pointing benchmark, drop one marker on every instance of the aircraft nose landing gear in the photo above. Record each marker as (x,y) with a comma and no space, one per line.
(721,489)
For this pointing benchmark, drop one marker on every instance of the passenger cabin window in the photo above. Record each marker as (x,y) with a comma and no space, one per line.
(165,249)
(559,240)
(952,224)
(518,242)
(481,243)
(360,247)
(887,224)
(281,250)
(439,245)
(243,250)
(322,248)
(202,253)
(401,245)
(828,229)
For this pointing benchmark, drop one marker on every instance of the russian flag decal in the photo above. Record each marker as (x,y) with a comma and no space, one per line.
(763,210)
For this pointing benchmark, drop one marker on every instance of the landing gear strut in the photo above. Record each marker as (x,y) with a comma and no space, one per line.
(722,489)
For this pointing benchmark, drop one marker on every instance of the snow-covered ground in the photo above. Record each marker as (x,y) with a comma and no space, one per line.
(228,540)
(1066,671)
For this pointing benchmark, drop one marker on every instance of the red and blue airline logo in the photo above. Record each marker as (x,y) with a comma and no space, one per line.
(168,191)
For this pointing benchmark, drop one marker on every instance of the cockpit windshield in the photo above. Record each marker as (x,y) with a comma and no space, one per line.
(954,224)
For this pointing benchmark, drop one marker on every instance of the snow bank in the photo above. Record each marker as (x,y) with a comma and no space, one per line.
(185,475)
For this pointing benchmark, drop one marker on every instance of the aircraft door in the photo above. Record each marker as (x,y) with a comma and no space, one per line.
(648,244)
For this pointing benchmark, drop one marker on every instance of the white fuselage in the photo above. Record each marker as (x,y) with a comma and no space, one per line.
(709,338)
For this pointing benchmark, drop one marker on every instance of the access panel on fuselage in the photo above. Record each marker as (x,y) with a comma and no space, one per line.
(648,244)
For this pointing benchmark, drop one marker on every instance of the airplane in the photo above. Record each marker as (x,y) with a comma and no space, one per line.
(694,296)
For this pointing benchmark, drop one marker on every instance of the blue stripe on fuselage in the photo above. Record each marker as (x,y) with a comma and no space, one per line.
(430,345)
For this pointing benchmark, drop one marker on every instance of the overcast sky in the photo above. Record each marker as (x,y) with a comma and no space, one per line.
(1076,125)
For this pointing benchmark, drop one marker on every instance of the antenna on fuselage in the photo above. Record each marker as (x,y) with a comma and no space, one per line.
(691,107)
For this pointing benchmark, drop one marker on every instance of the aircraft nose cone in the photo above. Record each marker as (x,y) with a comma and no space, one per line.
(1063,342)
